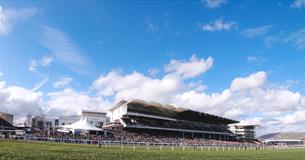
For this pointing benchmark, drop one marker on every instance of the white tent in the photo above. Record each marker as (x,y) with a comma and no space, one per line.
(82,124)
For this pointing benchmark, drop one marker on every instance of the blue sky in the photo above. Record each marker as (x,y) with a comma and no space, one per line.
(217,56)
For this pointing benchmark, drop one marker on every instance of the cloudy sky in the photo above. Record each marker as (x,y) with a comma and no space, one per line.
(239,59)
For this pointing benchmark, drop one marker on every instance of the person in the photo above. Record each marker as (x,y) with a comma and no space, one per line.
(99,144)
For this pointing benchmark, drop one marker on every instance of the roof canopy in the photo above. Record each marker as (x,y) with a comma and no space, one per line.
(170,111)
(82,124)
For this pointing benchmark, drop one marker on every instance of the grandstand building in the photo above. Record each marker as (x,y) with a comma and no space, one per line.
(166,120)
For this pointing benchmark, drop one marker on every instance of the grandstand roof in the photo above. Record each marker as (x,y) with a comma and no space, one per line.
(170,107)
(120,103)
(170,111)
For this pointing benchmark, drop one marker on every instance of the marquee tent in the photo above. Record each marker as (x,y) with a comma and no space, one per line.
(82,125)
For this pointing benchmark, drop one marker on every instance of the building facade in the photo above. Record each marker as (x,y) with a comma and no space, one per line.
(49,125)
(243,132)
(66,120)
(7,117)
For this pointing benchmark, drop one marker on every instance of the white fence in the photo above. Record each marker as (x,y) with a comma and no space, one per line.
(161,146)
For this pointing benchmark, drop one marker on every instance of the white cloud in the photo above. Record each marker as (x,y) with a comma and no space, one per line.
(202,101)
(42,62)
(42,82)
(19,100)
(62,82)
(191,68)
(270,40)
(213,3)
(64,50)
(70,102)
(255,59)
(253,121)
(136,85)
(294,118)
(197,86)
(151,27)
(234,113)
(266,100)
(153,71)
(32,65)
(298,4)
(219,25)
(9,18)
(255,32)
(252,81)
(47,60)
(1,73)
(297,39)
(2,84)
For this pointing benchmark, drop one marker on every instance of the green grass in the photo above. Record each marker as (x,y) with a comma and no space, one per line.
(10,149)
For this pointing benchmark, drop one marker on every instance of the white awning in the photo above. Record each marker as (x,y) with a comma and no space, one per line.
(82,124)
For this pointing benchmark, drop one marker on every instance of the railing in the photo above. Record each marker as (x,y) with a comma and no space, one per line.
(105,144)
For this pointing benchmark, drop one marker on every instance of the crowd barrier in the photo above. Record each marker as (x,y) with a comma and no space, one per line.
(124,144)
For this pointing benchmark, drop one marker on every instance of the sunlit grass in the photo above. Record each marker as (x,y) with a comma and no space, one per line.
(47,150)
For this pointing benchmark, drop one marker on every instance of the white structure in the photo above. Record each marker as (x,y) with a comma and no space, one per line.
(97,119)
(81,125)
(28,120)
(66,120)
(118,110)
(243,131)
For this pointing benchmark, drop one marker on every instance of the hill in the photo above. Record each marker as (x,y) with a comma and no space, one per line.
(284,135)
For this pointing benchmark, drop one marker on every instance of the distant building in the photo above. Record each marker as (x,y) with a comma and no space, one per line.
(42,124)
(66,120)
(244,132)
(38,123)
(48,125)
(28,120)
(96,118)
(7,117)
(285,142)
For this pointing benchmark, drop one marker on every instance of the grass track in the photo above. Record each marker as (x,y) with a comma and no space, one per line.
(21,150)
